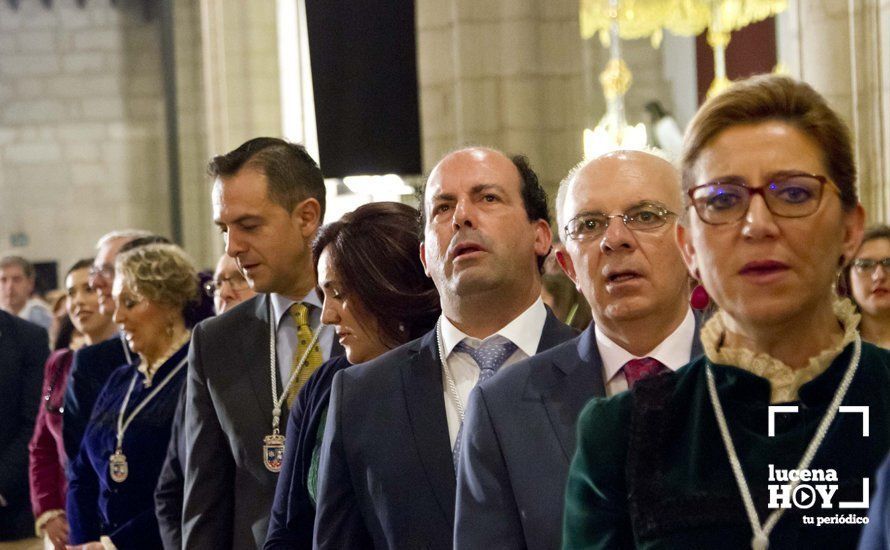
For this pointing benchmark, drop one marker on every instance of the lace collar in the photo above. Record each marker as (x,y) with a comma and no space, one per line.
(784,381)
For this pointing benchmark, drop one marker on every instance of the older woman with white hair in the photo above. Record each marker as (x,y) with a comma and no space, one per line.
(110,498)
(700,458)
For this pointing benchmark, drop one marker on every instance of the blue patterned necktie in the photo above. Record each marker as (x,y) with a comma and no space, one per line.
(489,357)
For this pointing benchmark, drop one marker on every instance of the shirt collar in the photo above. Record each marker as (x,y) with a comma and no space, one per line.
(673,352)
(280,304)
(524,331)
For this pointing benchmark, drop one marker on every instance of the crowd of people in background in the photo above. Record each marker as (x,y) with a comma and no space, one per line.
(461,374)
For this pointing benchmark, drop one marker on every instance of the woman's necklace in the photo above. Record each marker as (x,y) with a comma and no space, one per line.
(117,462)
(449,380)
(760,541)
(273,444)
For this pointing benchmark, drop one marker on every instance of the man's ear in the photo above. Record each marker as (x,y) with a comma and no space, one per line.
(307,213)
(568,267)
(423,258)
(543,238)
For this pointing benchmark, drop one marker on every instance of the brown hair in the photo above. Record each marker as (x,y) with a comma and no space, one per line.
(375,251)
(766,98)
(292,173)
(27,267)
(871,234)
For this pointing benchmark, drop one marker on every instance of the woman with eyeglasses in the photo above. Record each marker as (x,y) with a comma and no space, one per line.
(868,282)
(47,460)
(377,296)
(110,492)
(697,458)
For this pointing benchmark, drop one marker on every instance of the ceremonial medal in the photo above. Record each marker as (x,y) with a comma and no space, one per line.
(273,445)
(273,452)
(117,464)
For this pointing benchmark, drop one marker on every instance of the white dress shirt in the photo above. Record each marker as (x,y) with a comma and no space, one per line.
(524,331)
(286,331)
(673,352)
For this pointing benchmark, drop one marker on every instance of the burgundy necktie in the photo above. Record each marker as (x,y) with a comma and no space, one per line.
(638,369)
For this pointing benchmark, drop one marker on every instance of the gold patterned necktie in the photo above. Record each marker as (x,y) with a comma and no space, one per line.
(300,314)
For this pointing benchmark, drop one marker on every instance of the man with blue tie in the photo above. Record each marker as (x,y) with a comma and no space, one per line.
(387,473)
(617,216)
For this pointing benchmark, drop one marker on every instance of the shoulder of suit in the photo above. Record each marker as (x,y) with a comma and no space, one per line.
(230,321)
(383,368)
(25,330)
(515,377)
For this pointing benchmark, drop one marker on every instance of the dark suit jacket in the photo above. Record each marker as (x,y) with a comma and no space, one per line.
(293,513)
(228,490)
(169,493)
(519,439)
(387,477)
(24,348)
(876,534)
(90,369)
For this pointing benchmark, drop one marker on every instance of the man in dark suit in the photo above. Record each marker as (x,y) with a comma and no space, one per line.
(387,472)
(92,365)
(617,216)
(268,200)
(23,351)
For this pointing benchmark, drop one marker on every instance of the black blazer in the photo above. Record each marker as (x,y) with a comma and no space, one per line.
(169,492)
(293,513)
(519,439)
(90,369)
(24,348)
(228,412)
(387,477)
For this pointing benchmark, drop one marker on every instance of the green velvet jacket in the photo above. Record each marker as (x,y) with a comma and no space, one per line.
(651,471)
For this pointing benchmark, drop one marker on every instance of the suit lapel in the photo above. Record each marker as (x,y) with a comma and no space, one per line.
(422,379)
(255,341)
(554,332)
(577,377)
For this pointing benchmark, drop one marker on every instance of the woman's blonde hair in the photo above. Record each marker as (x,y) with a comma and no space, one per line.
(765,98)
(161,273)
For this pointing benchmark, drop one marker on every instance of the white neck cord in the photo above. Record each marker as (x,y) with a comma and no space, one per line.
(449,380)
(760,541)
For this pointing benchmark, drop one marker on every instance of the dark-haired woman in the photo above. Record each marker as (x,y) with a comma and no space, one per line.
(46,451)
(377,296)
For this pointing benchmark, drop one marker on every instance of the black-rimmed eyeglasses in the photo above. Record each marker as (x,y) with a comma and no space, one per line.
(787,195)
(592,225)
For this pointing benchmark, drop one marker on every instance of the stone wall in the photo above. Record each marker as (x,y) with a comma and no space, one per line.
(82,148)
(515,75)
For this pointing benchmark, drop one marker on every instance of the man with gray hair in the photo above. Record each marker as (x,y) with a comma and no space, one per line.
(92,365)
(617,216)
(17,289)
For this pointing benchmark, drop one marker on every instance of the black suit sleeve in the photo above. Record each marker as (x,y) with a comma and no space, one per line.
(485,515)
(338,518)
(28,379)
(208,509)
(169,493)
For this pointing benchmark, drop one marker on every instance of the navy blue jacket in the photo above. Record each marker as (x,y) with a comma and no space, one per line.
(97,505)
(90,369)
(293,512)
(23,351)
(387,475)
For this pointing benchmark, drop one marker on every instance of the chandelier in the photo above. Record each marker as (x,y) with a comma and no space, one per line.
(614,20)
